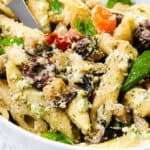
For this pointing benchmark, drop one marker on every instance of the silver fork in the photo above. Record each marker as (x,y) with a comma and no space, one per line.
(23,13)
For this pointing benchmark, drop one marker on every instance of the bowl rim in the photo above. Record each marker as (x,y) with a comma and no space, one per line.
(60,145)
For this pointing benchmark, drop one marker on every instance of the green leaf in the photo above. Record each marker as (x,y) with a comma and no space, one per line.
(56,6)
(90,29)
(117,124)
(79,24)
(9,41)
(111,3)
(139,70)
(85,27)
(57,136)
(2,51)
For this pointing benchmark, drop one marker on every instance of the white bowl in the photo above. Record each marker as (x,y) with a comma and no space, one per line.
(15,138)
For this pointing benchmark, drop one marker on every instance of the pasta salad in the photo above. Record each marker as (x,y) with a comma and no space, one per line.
(84,78)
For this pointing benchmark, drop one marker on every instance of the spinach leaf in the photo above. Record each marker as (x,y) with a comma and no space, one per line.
(8,41)
(2,51)
(57,136)
(139,70)
(85,27)
(111,3)
(117,124)
(56,6)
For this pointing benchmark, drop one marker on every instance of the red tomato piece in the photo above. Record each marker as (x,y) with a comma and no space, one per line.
(50,38)
(63,41)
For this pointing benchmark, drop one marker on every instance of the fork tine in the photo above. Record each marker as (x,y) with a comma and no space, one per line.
(23,13)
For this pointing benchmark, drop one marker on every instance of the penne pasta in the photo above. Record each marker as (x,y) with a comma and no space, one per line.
(84,78)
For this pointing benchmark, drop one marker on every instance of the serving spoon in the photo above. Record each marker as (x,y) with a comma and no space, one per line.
(21,10)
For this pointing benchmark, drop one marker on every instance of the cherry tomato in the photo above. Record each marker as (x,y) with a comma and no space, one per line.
(103,20)
(50,38)
(63,41)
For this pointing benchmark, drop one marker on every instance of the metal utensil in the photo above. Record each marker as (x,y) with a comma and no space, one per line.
(23,13)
